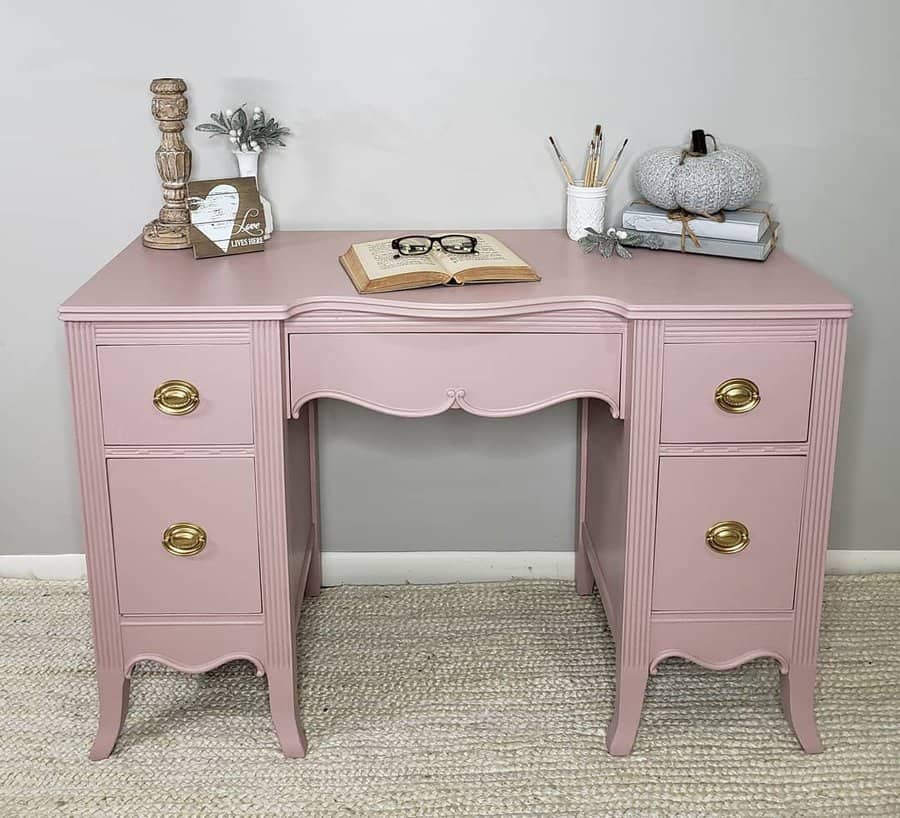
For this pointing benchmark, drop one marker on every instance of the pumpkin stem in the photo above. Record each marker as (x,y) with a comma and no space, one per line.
(698,142)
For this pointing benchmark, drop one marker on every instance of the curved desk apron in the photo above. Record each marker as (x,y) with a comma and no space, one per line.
(708,393)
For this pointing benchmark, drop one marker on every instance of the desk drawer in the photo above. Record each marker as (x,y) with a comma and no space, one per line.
(426,373)
(212,500)
(780,374)
(750,507)
(146,394)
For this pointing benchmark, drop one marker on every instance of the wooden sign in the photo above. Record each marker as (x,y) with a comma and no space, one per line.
(226,217)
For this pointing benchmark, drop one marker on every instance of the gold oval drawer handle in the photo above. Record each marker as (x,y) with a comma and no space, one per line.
(176,397)
(737,395)
(184,539)
(728,537)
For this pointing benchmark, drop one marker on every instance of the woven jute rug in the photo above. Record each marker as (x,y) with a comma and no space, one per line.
(450,700)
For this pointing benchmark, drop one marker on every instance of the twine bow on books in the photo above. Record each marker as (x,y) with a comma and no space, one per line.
(685,218)
(771,224)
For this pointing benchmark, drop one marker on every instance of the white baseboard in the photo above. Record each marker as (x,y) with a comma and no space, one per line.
(430,567)
(848,561)
(42,566)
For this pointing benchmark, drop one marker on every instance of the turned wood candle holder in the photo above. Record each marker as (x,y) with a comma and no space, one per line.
(171,230)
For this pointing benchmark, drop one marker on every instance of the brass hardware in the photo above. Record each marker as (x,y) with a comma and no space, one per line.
(728,537)
(184,539)
(737,395)
(176,397)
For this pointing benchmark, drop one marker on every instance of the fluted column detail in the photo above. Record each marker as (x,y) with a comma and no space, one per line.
(643,412)
(98,542)
(823,428)
(268,425)
(267,362)
(641,409)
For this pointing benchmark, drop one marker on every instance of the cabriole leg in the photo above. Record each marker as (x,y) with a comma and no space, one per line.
(285,711)
(798,689)
(631,682)
(112,687)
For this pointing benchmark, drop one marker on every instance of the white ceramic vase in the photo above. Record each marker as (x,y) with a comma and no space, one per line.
(248,165)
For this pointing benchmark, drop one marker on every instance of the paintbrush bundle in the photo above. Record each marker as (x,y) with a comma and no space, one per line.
(595,174)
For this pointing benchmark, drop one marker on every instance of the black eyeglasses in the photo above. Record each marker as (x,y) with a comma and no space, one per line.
(419,245)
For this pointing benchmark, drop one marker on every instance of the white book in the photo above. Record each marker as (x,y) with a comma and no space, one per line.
(753,250)
(739,225)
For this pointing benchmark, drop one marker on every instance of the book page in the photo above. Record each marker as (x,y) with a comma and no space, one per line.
(377,258)
(491,253)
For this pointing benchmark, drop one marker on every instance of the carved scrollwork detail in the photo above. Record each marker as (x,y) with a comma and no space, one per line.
(174,109)
(185,667)
(723,664)
(456,396)
(459,401)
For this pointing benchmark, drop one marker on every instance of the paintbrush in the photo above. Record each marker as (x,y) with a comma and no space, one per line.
(598,144)
(562,162)
(612,165)
(588,165)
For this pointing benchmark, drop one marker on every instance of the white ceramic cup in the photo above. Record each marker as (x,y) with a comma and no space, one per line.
(585,207)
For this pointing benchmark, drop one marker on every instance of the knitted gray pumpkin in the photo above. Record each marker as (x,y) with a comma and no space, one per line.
(726,178)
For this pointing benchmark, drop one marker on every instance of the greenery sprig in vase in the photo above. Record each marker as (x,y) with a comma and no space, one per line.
(249,135)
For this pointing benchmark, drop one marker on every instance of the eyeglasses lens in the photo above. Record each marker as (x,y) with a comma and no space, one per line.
(414,246)
(458,244)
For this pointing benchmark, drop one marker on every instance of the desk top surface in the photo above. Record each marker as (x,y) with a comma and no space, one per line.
(299,272)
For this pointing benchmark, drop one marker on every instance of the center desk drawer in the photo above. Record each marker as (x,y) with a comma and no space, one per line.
(737,393)
(426,373)
(173,394)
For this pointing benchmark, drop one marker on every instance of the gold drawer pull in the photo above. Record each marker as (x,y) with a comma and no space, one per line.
(176,397)
(728,537)
(184,539)
(737,395)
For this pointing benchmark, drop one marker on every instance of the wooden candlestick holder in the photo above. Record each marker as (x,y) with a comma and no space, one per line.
(170,231)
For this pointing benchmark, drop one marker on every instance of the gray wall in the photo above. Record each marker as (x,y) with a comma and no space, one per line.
(400,125)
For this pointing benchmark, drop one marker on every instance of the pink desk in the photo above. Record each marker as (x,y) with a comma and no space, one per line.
(708,390)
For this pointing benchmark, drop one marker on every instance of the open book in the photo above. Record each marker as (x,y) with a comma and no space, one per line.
(373,268)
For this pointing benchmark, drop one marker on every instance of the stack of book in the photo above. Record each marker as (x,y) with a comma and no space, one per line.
(746,233)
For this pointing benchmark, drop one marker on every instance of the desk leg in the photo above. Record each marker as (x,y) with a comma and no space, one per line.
(285,710)
(631,682)
(641,442)
(798,687)
(282,537)
(314,577)
(584,577)
(112,684)
(112,687)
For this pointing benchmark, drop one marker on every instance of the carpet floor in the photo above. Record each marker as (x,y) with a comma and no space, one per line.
(486,699)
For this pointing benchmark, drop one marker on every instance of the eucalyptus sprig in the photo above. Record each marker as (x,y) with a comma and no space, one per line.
(617,241)
(246,133)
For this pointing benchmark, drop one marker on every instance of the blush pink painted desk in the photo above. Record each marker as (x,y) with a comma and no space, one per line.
(708,391)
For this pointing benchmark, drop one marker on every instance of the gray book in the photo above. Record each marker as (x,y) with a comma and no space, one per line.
(753,250)
(740,225)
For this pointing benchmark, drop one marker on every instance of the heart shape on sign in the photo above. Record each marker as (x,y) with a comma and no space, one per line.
(214,215)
